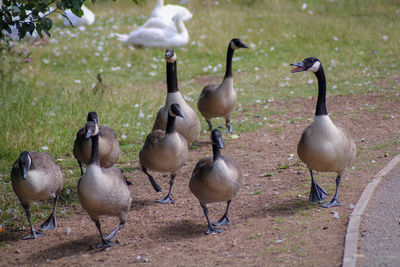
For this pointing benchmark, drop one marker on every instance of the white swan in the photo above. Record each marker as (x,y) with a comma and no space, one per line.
(158,37)
(86,19)
(169,11)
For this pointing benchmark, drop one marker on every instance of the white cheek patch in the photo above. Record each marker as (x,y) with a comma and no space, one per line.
(96,132)
(172,60)
(30,161)
(315,66)
(233,46)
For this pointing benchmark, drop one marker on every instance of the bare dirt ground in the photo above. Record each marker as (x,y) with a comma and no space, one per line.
(272,221)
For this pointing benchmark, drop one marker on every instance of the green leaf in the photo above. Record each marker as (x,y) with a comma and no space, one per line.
(46,24)
(256,192)
(59,5)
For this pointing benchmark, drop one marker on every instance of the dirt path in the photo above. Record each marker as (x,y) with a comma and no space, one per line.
(272,221)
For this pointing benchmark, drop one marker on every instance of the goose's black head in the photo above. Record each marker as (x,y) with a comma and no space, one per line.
(237,43)
(170,55)
(175,110)
(216,138)
(311,63)
(92,116)
(91,129)
(24,162)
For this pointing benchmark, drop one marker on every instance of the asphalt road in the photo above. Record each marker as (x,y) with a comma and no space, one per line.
(379,243)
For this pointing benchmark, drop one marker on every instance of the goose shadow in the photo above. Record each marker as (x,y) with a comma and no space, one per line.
(138,204)
(68,249)
(11,236)
(180,230)
(287,208)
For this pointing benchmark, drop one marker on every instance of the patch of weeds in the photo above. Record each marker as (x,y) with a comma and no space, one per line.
(269,174)
(276,129)
(254,236)
(256,193)
(194,145)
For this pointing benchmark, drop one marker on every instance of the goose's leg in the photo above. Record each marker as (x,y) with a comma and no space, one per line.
(153,183)
(168,198)
(229,128)
(114,232)
(211,229)
(34,234)
(334,202)
(317,193)
(224,220)
(104,242)
(80,166)
(51,222)
(210,126)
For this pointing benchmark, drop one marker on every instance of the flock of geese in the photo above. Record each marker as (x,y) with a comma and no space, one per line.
(103,189)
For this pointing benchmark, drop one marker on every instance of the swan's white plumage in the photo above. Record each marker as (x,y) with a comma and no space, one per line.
(159,37)
(167,12)
(87,18)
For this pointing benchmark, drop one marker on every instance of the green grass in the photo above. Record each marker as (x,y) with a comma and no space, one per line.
(43,103)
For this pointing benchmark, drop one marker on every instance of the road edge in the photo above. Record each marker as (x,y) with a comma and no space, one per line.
(353,227)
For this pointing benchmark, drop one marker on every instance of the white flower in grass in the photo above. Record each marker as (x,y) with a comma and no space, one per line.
(141,115)
(123,136)
(115,68)
(149,116)
(385,37)
(46,61)
(45,148)
(77,81)
(152,73)
(303,7)
(142,133)
(128,65)
(136,105)
(52,114)
(126,124)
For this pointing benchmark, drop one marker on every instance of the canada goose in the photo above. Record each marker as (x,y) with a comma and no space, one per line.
(219,100)
(70,19)
(164,151)
(36,176)
(109,147)
(214,179)
(166,36)
(323,146)
(167,12)
(189,125)
(103,191)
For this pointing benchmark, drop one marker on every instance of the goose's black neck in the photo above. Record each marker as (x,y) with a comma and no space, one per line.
(216,152)
(94,156)
(321,102)
(172,77)
(229,55)
(170,128)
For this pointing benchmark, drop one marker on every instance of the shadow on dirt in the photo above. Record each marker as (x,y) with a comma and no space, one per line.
(287,208)
(69,249)
(179,230)
(12,236)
